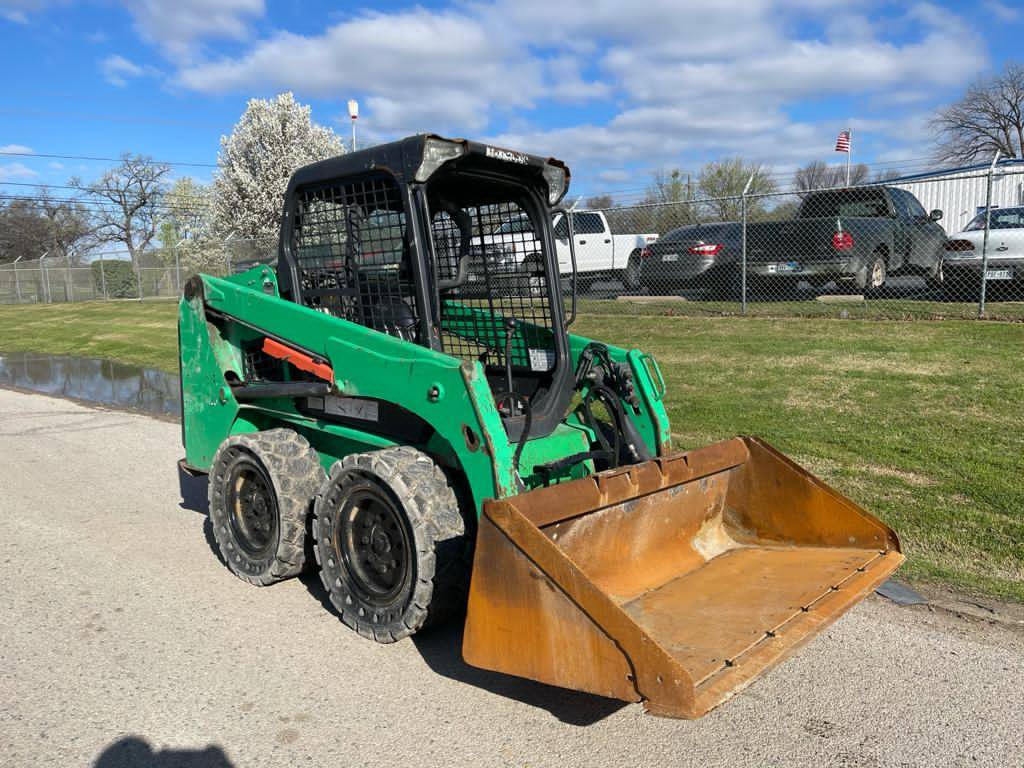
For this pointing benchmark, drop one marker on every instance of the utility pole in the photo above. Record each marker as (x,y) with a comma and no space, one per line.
(353,113)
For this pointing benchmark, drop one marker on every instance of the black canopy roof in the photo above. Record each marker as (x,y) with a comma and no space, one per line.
(403,157)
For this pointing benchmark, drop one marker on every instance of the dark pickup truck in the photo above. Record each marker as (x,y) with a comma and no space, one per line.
(855,237)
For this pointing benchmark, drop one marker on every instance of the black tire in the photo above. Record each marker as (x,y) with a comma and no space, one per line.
(261,490)
(531,282)
(726,285)
(935,279)
(630,276)
(873,277)
(961,288)
(391,543)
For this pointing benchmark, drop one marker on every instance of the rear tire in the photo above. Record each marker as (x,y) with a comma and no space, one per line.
(391,544)
(261,489)
(630,276)
(872,279)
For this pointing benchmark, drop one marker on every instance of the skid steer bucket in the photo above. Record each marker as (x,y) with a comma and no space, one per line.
(674,582)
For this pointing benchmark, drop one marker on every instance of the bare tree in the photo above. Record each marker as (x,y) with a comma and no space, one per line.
(129,194)
(989,118)
(819,175)
(723,182)
(670,187)
(599,202)
(886,174)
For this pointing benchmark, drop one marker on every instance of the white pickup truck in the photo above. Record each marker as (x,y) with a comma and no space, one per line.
(599,253)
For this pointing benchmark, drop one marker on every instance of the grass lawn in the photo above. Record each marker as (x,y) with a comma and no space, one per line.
(920,422)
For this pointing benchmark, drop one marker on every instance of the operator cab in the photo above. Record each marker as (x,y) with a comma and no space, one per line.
(443,243)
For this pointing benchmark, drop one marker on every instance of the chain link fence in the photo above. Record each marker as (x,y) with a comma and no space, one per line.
(158,274)
(930,247)
(873,249)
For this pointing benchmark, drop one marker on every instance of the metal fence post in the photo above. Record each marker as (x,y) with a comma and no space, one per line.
(47,295)
(743,246)
(103,280)
(177,266)
(69,280)
(984,242)
(17,282)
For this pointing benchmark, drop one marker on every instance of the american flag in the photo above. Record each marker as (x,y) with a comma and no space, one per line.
(843,142)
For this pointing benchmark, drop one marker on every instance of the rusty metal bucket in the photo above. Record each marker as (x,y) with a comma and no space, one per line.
(674,582)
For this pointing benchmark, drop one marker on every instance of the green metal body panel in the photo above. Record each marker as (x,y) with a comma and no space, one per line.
(451,396)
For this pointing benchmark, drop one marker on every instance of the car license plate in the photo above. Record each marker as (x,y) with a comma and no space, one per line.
(670,257)
(786,266)
(999,274)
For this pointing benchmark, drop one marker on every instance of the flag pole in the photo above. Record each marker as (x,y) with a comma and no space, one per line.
(849,155)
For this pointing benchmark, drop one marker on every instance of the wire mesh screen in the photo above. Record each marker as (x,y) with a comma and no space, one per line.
(352,255)
(491,269)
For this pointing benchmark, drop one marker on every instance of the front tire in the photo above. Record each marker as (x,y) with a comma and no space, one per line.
(261,489)
(391,543)
(935,280)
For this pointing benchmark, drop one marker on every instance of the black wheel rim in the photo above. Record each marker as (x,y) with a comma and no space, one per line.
(374,543)
(252,507)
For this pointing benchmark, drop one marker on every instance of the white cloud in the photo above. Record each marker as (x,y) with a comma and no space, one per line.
(662,82)
(53,165)
(10,171)
(18,11)
(15,149)
(1002,11)
(419,68)
(117,70)
(178,25)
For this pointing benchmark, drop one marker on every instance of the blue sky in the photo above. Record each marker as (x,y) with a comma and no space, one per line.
(616,89)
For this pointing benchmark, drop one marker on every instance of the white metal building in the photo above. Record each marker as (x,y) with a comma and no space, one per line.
(960,192)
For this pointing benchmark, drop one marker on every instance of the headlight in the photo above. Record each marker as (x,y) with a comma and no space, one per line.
(555,176)
(437,152)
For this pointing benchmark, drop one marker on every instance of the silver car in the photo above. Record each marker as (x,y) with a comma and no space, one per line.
(962,262)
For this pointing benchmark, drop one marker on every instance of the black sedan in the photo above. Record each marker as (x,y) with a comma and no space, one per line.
(704,256)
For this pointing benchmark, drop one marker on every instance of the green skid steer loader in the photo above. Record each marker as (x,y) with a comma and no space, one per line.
(400,401)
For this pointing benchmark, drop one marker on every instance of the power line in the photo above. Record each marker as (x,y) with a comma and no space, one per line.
(106,159)
(201,200)
(100,205)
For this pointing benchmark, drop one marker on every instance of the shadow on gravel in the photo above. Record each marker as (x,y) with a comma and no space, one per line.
(441,649)
(193,492)
(135,752)
(193,497)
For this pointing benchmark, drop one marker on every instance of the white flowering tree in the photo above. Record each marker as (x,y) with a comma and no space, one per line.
(273,138)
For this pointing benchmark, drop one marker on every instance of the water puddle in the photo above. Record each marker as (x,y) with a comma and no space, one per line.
(93,381)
